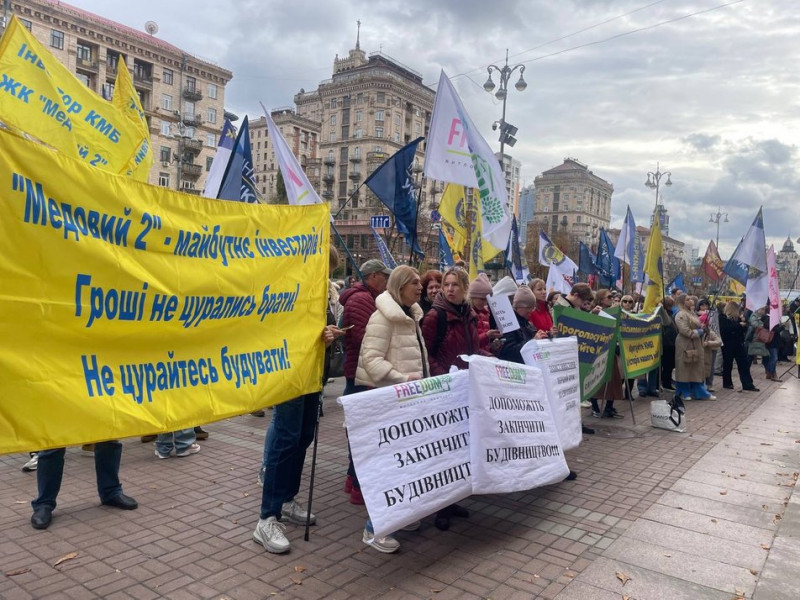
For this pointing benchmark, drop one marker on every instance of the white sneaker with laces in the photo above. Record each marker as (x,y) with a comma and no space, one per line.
(32,464)
(270,534)
(193,449)
(387,544)
(295,513)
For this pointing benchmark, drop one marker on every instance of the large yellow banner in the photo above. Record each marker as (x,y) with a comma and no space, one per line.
(40,96)
(129,309)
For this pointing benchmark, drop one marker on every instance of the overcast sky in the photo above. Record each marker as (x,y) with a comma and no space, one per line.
(707,88)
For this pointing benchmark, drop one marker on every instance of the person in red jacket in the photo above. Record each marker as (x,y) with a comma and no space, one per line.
(359,304)
(540,316)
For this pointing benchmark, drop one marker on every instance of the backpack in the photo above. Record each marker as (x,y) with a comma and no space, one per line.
(441,329)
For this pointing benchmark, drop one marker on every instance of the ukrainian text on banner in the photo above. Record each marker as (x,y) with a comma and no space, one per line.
(410,445)
(640,343)
(514,442)
(134,309)
(558,360)
(596,345)
(41,97)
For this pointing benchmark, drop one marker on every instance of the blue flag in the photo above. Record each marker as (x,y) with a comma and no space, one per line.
(586,260)
(238,183)
(676,283)
(445,255)
(386,256)
(608,267)
(392,184)
(749,260)
(637,261)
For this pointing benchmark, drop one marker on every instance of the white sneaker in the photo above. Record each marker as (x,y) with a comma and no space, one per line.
(295,513)
(387,544)
(193,449)
(412,526)
(163,456)
(32,464)
(270,534)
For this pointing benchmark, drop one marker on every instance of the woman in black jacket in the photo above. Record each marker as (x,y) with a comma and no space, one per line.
(732,329)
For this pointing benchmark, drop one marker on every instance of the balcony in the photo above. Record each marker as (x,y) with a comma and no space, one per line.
(86,63)
(416,168)
(193,191)
(191,170)
(355,159)
(192,94)
(377,156)
(329,160)
(327,194)
(313,162)
(193,146)
(328,178)
(355,176)
(192,120)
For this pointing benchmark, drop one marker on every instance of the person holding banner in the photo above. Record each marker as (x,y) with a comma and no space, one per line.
(689,360)
(523,304)
(393,352)
(479,289)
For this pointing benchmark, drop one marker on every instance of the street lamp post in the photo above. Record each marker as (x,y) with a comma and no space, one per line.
(507,131)
(715,218)
(654,183)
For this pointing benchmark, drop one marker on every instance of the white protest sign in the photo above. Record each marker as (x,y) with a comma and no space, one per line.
(503,312)
(410,446)
(558,360)
(514,441)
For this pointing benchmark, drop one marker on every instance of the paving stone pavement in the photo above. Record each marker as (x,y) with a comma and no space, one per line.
(647,503)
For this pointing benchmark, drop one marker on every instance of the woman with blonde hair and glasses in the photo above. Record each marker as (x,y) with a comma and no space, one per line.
(393,351)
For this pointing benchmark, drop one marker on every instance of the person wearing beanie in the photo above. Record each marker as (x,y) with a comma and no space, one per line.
(478,291)
(523,303)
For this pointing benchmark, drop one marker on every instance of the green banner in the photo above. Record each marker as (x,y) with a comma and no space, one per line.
(640,343)
(597,338)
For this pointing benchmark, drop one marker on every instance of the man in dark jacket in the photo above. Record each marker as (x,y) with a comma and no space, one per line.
(359,304)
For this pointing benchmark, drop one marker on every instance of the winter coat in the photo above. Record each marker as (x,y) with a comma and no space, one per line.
(540,317)
(515,340)
(754,347)
(460,336)
(359,304)
(711,342)
(732,333)
(483,327)
(689,338)
(392,348)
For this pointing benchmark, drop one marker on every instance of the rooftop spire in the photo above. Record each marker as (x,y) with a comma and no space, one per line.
(358,35)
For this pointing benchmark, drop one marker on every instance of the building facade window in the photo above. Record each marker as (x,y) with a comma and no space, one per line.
(211,140)
(167,77)
(57,39)
(359,116)
(211,115)
(379,132)
(191,83)
(334,103)
(332,137)
(165,128)
(25,23)
(379,115)
(166,101)
(164,154)
(84,52)
(333,119)
(163,179)
(382,97)
(212,91)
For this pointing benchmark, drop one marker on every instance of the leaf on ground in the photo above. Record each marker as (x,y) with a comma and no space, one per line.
(765,546)
(66,557)
(764,507)
(765,444)
(569,574)
(667,554)
(296,580)
(299,569)
(17,572)
(20,502)
(714,521)
(624,597)
(753,572)
(622,577)
(723,493)
(434,590)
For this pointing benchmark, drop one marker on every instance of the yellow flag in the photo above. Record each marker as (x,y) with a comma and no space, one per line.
(456,252)
(653,268)
(453,208)
(126,99)
(737,288)
(476,265)
(42,98)
(129,309)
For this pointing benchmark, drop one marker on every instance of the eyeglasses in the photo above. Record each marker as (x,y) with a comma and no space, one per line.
(627,302)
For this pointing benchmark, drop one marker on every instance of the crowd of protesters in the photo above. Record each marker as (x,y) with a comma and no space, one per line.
(398,325)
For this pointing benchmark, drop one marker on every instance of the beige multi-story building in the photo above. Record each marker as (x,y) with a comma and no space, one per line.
(571,199)
(302,136)
(370,108)
(183,96)
(786,263)
(673,256)
(511,167)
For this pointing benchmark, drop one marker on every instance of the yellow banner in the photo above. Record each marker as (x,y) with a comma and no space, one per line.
(40,96)
(126,99)
(129,309)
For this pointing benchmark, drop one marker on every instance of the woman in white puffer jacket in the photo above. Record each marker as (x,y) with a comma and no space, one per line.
(393,351)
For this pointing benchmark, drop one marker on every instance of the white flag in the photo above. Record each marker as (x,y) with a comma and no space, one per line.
(627,238)
(775,311)
(298,188)
(457,153)
(561,276)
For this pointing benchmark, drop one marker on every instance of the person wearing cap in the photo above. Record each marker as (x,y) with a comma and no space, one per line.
(359,304)
(479,289)
(523,303)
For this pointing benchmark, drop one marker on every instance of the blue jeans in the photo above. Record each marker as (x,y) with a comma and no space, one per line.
(180,440)
(691,389)
(771,361)
(289,435)
(107,456)
(648,384)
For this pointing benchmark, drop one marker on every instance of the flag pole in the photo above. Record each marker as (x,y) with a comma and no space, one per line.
(347,251)
(346,202)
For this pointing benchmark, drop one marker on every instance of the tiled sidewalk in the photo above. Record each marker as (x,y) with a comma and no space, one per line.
(191,537)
